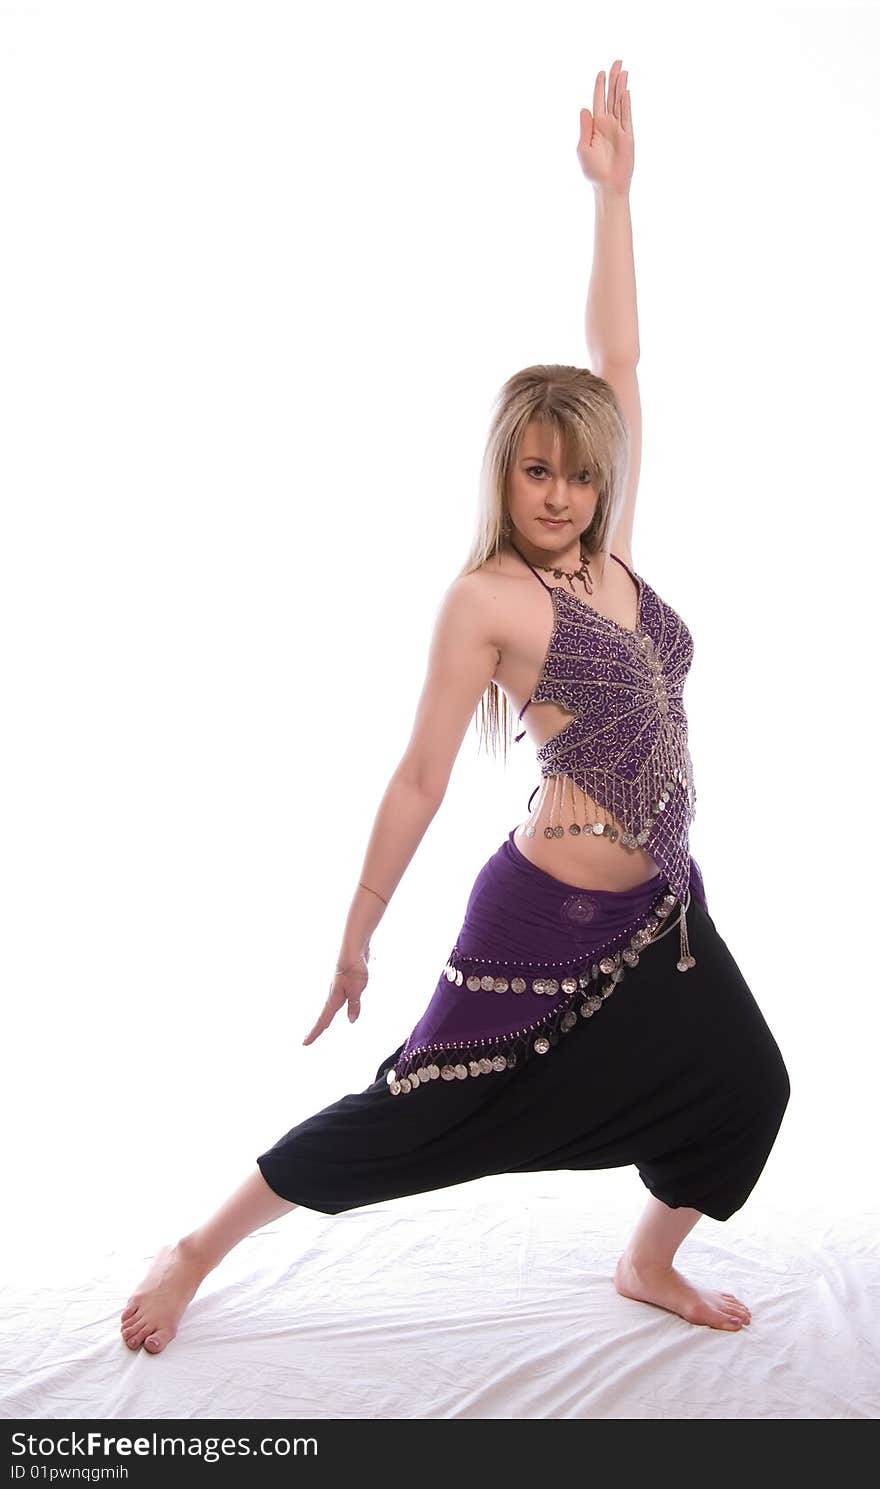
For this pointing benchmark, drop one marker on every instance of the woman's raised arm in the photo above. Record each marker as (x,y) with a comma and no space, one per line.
(606,153)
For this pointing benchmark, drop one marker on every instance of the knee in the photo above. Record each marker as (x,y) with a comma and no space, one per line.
(784,1084)
(776,1087)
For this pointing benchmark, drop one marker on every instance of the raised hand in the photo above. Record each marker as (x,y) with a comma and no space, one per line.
(347,987)
(605,148)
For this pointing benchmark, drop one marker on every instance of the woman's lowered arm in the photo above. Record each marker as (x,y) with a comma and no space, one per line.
(461,663)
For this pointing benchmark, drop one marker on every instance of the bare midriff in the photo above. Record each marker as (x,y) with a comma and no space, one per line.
(585,859)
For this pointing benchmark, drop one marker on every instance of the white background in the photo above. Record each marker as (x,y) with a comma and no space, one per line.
(263,270)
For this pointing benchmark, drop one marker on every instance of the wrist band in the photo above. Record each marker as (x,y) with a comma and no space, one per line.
(384,902)
(372,891)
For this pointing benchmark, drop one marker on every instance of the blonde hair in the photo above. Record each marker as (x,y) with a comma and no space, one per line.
(584,410)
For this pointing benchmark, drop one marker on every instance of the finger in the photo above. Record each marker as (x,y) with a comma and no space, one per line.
(354,1009)
(621,95)
(315,1030)
(599,96)
(614,87)
(328,1013)
(626,114)
(323,1022)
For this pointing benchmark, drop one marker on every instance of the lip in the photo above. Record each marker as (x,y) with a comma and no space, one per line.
(554,522)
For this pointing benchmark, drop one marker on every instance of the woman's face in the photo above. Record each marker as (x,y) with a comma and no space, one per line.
(539,488)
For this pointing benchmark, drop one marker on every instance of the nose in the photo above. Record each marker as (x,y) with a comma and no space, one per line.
(557,494)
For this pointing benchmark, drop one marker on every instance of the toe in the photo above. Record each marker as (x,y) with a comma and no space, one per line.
(156,1342)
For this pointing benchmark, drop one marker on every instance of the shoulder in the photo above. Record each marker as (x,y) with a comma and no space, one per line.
(492,593)
(480,608)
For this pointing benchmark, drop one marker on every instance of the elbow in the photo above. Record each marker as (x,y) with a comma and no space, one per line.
(430,788)
(433,793)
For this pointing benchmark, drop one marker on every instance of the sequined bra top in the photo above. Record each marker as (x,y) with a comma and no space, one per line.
(627,745)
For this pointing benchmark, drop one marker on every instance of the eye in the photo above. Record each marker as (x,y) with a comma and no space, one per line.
(584,476)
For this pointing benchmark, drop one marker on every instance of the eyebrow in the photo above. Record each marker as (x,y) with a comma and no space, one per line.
(539,460)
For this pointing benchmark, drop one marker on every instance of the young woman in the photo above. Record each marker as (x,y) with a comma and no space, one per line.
(524,1060)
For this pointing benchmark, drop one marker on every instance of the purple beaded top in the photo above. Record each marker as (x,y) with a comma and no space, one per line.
(627,746)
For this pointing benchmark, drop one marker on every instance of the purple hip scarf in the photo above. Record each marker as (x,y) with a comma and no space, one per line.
(535,956)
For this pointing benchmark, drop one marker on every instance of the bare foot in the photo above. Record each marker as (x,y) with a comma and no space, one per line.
(669,1289)
(153,1312)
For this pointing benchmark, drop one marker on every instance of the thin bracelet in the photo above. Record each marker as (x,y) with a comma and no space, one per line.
(384,902)
(373,891)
